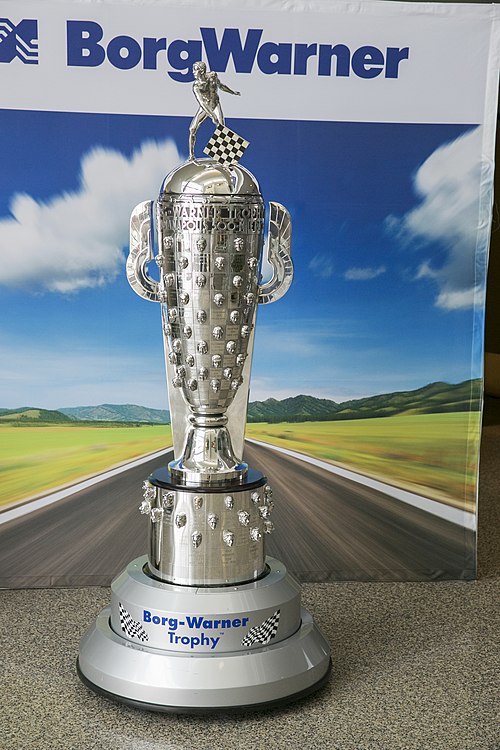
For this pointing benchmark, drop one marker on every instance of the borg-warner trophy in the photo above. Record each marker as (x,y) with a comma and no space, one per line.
(206,621)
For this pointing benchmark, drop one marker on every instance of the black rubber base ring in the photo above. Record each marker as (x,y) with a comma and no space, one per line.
(205,710)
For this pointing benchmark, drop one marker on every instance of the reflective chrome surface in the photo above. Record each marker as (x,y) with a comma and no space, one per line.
(209,292)
(279,248)
(206,87)
(209,177)
(209,239)
(210,222)
(200,539)
(141,252)
(210,260)
(208,454)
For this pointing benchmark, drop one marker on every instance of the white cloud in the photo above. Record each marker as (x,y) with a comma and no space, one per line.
(364,274)
(322,265)
(461,300)
(449,184)
(75,239)
(425,271)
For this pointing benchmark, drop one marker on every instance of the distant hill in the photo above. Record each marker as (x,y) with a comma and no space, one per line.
(432,398)
(28,414)
(295,408)
(435,397)
(117,413)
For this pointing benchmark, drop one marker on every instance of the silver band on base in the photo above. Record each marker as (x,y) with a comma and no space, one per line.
(293,662)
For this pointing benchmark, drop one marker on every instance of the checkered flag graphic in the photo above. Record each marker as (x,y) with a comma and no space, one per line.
(263,633)
(130,626)
(226,146)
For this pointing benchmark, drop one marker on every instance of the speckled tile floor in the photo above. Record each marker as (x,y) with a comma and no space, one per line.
(415,667)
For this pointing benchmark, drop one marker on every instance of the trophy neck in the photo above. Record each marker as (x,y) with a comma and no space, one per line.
(208,456)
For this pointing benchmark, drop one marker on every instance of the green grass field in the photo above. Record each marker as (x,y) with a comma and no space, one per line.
(431,454)
(38,458)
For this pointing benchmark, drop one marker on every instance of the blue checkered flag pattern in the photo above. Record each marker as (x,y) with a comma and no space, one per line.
(225,146)
(131,627)
(262,634)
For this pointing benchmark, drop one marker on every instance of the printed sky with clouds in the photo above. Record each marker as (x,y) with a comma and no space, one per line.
(389,286)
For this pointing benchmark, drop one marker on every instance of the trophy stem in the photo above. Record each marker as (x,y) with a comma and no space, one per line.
(208,456)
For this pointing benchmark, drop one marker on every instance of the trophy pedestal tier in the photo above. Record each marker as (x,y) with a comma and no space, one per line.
(208,535)
(174,648)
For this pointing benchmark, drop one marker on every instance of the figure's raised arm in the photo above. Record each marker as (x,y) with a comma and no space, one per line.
(225,88)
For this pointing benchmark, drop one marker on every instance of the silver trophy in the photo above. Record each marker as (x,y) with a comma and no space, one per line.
(206,621)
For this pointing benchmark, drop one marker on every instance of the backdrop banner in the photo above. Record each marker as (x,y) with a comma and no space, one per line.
(374,124)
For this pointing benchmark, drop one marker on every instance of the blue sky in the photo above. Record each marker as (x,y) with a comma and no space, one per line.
(384,257)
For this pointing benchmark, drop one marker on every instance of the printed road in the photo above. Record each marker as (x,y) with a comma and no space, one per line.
(327,528)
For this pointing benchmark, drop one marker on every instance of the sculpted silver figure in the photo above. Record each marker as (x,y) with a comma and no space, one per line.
(183,620)
(205,88)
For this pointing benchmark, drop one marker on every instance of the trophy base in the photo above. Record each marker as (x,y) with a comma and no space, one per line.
(204,535)
(200,663)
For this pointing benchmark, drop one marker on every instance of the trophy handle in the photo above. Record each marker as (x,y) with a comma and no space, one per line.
(279,248)
(141,252)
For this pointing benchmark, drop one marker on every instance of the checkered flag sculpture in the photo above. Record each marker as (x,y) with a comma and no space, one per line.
(130,626)
(225,146)
(263,633)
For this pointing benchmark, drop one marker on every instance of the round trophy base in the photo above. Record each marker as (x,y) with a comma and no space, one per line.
(196,670)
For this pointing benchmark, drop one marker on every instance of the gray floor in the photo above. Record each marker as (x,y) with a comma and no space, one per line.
(414,666)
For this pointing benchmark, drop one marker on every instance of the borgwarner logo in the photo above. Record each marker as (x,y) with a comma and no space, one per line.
(87,47)
(19,40)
